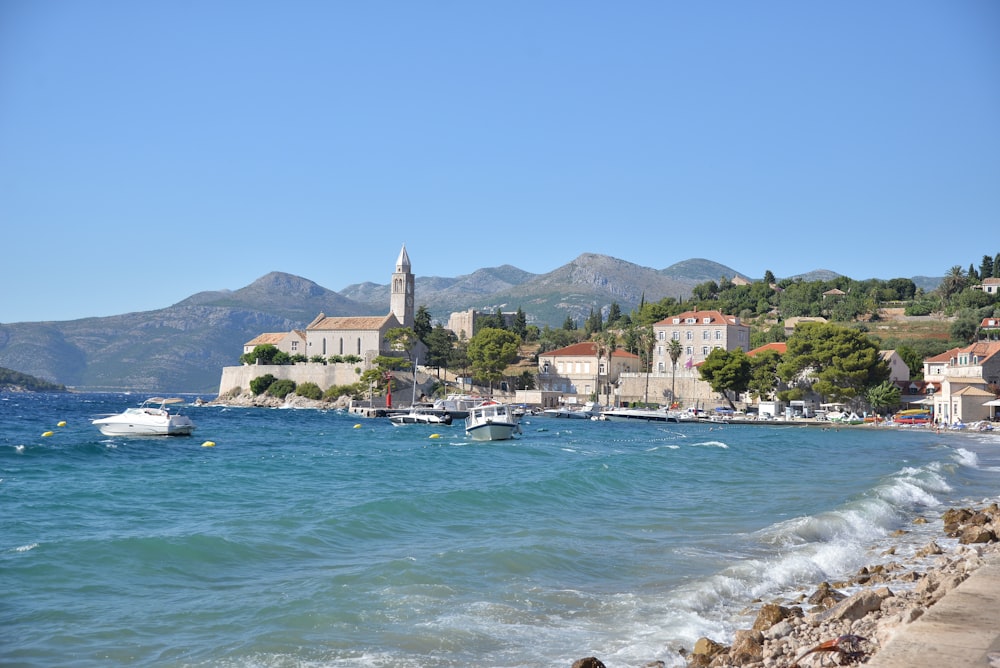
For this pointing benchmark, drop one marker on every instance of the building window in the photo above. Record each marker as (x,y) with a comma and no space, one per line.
(689,350)
(706,335)
(677,336)
(661,335)
(689,335)
(718,335)
(704,350)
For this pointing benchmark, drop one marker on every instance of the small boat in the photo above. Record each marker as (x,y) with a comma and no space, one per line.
(419,415)
(647,415)
(458,405)
(491,421)
(152,418)
(913,416)
(588,411)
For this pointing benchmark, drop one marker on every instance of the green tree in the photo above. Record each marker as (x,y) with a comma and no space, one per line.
(646,339)
(674,349)
(491,351)
(614,314)
(520,324)
(884,396)
(726,371)
(607,344)
(459,357)
(986,267)
(265,354)
(422,323)
(953,282)
(764,373)
(440,343)
(842,361)
(569,324)
(403,339)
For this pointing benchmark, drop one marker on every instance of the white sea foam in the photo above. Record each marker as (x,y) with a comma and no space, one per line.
(26,548)
(711,444)
(966,458)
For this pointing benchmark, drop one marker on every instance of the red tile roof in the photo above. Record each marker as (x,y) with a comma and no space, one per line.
(585,349)
(715,318)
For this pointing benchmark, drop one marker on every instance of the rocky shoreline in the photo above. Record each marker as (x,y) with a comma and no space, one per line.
(830,627)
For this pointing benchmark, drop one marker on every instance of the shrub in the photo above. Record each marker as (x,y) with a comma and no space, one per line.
(334,392)
(309,391)
(260,384)
(281,388)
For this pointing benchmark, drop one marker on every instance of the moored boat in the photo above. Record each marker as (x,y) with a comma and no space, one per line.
(152,418)
(588,411)
(491,421)
(646,415)
(418,415)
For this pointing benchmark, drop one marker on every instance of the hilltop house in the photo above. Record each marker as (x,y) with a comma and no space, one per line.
(960,382)
(577,374)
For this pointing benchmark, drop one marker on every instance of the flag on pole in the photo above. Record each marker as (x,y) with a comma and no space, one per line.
(689,363)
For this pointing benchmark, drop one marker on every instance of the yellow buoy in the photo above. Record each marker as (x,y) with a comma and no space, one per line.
(357,426)
(435,435)
(208,444)
(62,423)
(47,434)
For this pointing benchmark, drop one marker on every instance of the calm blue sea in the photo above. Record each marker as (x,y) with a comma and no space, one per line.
(316,538)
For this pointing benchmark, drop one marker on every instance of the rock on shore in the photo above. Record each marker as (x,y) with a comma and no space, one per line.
(830,627)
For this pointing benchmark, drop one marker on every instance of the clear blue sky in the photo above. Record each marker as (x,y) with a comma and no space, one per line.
(151,150)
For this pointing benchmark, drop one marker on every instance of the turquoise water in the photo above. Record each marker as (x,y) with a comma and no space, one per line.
(303,539)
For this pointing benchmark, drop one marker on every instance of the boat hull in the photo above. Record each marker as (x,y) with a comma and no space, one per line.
(493,431)
(491,421)
(122,428)
(639,415)
(147,420)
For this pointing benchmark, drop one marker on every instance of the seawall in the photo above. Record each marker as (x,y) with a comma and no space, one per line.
(324,375)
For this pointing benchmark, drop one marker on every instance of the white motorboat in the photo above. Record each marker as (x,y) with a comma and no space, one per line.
(153,417)
(647,415)
(418,415)
(491,421)
(588,411)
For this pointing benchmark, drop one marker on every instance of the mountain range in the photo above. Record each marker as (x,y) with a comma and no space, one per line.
(183,347)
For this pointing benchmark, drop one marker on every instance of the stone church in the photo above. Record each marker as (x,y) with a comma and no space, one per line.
(363,336)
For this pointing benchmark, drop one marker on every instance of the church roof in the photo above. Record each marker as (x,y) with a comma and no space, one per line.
(351,323)
(403,262)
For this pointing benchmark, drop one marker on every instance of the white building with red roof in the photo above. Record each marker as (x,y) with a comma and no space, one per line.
(575,373)
(961,382)
(699,333)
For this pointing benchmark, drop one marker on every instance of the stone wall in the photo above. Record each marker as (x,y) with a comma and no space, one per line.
(324,375)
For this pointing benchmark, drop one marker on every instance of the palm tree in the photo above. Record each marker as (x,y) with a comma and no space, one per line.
(610,346)
(674,350)
(647,342)
(599,346)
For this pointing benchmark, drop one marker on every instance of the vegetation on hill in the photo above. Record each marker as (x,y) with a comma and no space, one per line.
(15,380)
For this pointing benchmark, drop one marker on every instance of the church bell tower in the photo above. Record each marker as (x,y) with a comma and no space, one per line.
(401,300)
